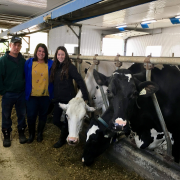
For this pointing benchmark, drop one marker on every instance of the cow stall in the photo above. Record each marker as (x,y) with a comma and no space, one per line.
(148,163)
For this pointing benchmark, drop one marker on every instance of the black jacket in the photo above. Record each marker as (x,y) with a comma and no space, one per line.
(64,89)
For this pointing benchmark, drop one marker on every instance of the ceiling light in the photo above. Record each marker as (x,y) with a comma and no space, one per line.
(178,17)
(122,26)
(149,21)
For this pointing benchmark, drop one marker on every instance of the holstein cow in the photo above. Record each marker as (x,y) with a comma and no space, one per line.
(132,104)
(104,67)
(99,137)
(76,112)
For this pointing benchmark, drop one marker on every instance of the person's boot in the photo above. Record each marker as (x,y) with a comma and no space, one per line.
(6,141)
(22,137)
(62,138)
(41,126)
(31,128)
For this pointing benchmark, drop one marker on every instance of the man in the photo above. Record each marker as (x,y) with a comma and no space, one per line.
(12,89)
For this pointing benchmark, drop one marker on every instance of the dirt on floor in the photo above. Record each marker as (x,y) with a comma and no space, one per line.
(40,161)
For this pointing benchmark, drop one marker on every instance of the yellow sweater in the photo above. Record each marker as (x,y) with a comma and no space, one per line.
(40,79)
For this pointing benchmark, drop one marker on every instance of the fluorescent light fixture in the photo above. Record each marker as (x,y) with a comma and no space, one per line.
(149,21)
(122,26)
(178,17)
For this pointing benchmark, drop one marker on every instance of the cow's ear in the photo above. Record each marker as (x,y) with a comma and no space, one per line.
(63,106)
(100,79)
(147,88)
(90,109)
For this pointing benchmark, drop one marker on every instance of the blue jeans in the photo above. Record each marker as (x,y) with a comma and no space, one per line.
(8,100)
(37,106)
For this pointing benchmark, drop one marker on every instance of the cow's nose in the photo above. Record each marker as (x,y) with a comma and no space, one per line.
(117,127)
(73,141)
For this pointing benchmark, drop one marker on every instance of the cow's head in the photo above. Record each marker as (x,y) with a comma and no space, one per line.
(123,90)
(76,111)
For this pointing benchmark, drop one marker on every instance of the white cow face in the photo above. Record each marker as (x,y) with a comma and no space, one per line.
(76,111)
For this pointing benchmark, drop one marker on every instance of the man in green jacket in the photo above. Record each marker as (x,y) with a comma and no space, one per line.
(12,89)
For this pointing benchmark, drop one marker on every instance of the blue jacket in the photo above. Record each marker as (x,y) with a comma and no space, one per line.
(28,78)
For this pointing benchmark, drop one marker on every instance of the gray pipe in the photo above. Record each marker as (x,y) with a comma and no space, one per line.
(160,116)
(102,92)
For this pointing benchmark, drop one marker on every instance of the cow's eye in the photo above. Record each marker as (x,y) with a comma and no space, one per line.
(108,91)
(66,116)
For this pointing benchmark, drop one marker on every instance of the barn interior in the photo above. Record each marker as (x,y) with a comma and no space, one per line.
(143,27)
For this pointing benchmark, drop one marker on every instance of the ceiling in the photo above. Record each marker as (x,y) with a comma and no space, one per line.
(160,10)
(104,15)
(14,12)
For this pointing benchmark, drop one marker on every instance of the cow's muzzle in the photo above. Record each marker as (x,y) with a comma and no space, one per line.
(120,128)
(72,141)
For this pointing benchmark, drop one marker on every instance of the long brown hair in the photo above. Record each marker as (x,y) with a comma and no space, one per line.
(65,67)
(46,52)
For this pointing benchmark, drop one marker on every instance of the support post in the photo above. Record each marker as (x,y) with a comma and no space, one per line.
(118,64)
(148,66)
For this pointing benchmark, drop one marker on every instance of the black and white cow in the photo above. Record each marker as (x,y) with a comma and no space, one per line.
(132,104)
(99,137)
(74,121)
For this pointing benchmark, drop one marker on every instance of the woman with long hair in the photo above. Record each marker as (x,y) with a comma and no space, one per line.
(62,74)
(38,90)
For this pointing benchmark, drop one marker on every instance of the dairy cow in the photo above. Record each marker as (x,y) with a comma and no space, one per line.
(76,112)
(94,94)
(129,95)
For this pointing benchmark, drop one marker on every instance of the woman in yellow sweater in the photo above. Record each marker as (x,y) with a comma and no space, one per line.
(38,90)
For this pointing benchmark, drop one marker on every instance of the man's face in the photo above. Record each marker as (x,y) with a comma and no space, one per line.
(15,48)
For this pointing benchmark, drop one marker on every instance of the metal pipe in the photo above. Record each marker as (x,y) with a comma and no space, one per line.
(132,59)
(102,92)
(160,116)
(79,40)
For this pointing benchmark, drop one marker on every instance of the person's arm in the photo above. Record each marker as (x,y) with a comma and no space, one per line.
(2,71)
(77,77)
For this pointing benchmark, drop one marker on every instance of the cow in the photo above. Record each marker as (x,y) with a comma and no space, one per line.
(94,94)
(76,112)
(106,68)
(99,137)
(130,96)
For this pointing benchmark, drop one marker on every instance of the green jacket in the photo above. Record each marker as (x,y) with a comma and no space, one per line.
(12,78)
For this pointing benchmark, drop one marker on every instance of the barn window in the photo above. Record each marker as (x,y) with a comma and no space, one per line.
(153,51)
(71,48)
(112,46)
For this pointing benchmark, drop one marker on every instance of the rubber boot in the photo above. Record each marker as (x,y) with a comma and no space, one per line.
(41,126)
(22,137)
(6,141)
(62,138)
(31,128)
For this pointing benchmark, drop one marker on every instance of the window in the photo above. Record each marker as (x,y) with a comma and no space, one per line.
(153,51)
(70,48)
(112,46)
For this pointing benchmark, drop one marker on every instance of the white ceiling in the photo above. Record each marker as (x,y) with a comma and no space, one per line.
(161,10)
(29,8)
